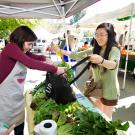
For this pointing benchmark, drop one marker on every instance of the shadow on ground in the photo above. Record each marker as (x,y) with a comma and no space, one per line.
(125,114)
(126,108)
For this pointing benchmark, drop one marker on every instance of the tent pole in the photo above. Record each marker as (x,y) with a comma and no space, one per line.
(66,35)
(129,37)
(65,29)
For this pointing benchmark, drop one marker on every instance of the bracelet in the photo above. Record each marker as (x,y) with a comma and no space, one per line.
(102,61)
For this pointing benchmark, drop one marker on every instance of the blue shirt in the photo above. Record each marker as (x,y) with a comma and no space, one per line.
(66,57)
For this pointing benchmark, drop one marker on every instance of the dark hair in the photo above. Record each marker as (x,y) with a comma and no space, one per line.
(85,42)
(22,34)
(111,40)
(92,41)
(68,33)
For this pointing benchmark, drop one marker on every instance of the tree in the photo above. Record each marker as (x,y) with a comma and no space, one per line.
(87,35)
(77,17)
(8,25)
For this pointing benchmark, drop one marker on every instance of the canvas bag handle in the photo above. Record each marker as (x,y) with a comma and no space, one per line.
(83,70)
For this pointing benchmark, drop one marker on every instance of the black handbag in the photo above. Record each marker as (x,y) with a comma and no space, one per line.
(59,89)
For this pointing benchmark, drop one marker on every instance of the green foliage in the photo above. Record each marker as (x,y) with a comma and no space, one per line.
(46,110)
(88,34)
(38,87)
(70,73)
(8,25)
(73,118)
(91,123)
(65,129)
(62,119)
(38,95)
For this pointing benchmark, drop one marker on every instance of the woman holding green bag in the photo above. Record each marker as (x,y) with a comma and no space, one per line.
(105,57)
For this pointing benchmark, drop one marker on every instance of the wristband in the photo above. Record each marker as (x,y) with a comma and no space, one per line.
(102,61)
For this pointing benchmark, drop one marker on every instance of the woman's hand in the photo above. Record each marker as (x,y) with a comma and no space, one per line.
(10,130)
(96,59)
(60,70)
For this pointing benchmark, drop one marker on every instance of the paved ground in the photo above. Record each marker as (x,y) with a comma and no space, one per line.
(126,107)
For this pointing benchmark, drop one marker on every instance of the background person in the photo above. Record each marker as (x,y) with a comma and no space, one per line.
(105,57)
(63,41)
(85,46)
(72,43)
(15,59)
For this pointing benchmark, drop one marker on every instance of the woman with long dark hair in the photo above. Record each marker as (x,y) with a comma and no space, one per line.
(105,57)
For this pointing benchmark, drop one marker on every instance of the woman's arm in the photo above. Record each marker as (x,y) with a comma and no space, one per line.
(82,54)
(113,61)
(10,130)
(73,55)
(109,64)
(36,57)
(15,53)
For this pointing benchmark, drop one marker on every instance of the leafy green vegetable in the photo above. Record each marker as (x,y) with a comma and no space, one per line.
(62,119)
(70,73)
(46,110)
(72,118)
(38,87)
(92,123)
(65,129)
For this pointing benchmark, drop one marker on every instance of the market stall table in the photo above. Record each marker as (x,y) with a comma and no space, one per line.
(80,98)
(131,61)
(29,113)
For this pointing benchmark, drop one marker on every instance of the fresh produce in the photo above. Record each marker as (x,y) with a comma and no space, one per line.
(46,110)
(71,118)
(38,95)
(90,123)
(66,129)
(39,87)
(70,73)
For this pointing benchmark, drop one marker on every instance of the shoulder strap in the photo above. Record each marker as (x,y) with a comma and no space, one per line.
(77,64)
(83,70)
(80,62)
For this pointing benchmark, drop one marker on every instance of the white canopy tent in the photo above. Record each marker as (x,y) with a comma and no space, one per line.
(52,9)
(112,9)
(105,10)
(43,34)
